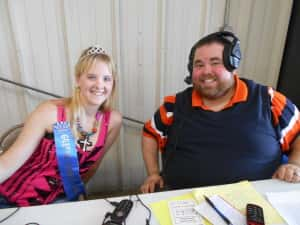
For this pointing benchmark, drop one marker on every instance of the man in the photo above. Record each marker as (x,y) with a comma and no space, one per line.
(223,129)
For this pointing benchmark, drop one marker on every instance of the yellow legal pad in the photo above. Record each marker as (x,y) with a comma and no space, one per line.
(237,194)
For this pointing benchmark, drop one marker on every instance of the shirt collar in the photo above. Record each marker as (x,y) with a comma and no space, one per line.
(240,95)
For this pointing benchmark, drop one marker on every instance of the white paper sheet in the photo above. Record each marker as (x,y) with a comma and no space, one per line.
(235,216)
(182,213)
(287,204)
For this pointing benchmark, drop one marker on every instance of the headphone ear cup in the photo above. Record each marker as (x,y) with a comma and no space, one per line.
(188,79)
(226,57)
(190,67)
(235,57)
(232,56)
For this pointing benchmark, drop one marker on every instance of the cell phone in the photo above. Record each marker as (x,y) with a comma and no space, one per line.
(254,214)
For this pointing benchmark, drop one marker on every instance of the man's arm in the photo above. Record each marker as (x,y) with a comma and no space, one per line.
(294,157)
(286,120)
(155,134)
(150,156)
(290,172)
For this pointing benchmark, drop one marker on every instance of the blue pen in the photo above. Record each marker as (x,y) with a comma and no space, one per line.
(227,221)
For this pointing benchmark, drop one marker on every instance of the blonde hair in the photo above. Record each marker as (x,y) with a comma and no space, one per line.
(86,60)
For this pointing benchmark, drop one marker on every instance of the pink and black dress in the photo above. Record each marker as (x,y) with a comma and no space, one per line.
(38,180)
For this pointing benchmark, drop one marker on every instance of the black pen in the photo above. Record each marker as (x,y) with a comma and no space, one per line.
(227,221)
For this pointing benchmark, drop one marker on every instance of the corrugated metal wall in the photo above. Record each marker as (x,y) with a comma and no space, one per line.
(40,41)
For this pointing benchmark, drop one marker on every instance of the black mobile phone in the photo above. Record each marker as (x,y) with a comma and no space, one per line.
(254,214)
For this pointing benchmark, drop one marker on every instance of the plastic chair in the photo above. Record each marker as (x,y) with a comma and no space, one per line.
(9,136)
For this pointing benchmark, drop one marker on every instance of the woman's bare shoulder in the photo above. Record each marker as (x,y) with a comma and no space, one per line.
(49,106)
(115,118)
(47,110)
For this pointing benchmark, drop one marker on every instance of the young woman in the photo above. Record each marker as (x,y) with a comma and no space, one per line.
(63,141)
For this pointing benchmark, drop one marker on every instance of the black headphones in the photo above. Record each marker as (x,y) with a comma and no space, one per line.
(231,54)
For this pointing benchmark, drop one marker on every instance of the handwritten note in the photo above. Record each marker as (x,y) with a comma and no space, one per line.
(182,213)
(161,208)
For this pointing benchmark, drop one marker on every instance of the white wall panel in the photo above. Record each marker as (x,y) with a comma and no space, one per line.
(37,30)
(41,40)
(87,23)
(133,167)
(11,98)
(186,24)
(139,41)
(262,28)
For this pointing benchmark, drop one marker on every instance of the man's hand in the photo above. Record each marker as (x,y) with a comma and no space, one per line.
(151,182)
(288,172)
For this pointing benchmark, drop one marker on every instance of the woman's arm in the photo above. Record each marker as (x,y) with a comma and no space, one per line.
(113,132)
(33,131)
